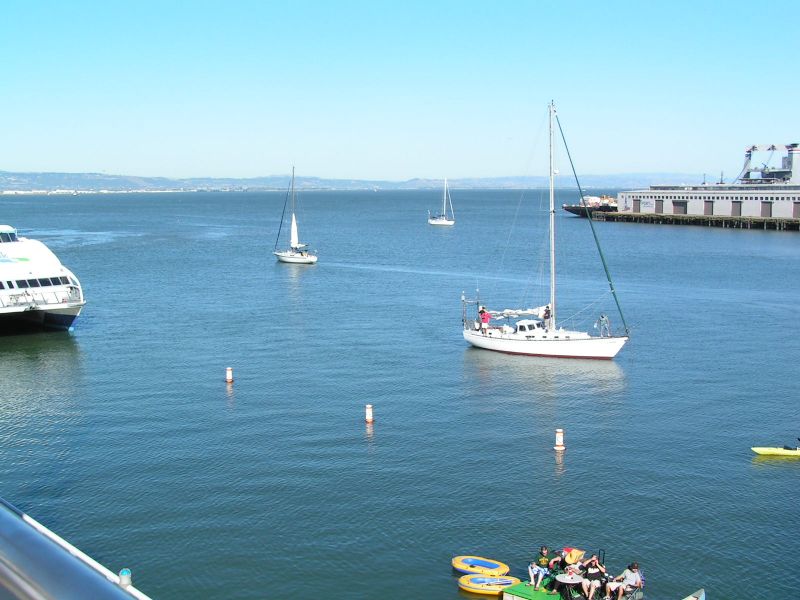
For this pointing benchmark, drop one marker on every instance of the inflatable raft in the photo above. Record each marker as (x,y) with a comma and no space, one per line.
(764,451)
(479,565)
(483,584)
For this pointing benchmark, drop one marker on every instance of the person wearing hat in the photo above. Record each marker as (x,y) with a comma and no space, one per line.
(485,318)
(628,581)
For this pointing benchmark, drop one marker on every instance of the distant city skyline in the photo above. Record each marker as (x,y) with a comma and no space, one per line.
(373,91)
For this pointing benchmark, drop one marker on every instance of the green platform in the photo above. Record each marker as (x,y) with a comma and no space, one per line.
(522,590)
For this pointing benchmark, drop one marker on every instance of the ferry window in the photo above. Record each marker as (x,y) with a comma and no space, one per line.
(55,281)
(2,287)
(13,237)
(10,285)
(21,283)
(64,280)
(45,281)
(33,283)
(4,237)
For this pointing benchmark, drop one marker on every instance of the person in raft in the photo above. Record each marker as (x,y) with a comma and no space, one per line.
(540,567)
(628,581)
(593,574)
(485,318)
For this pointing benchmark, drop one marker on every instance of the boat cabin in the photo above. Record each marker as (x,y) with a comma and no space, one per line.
(528,325)
(8,234)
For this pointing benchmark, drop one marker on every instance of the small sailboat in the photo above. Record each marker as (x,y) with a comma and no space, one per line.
(444,218)
(541,335)
(297,253)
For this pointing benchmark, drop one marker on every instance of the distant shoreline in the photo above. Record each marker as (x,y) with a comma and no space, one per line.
(12,183)
(271,190)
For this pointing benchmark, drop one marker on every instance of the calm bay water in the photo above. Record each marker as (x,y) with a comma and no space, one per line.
(124,438)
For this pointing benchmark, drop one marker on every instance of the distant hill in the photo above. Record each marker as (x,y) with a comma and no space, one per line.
(100,182)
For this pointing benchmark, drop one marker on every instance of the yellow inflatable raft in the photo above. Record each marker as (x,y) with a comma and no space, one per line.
(479,565)
(785,451)
(484,584)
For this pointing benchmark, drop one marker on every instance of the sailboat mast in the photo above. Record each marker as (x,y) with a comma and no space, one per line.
(292,189)
(444,199)
(552,323)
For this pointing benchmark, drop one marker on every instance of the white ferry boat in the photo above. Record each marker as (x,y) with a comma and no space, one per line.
(757,191)
(591,204)
(36,290)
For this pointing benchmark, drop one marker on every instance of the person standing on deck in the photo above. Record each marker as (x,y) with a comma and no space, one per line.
(485,318)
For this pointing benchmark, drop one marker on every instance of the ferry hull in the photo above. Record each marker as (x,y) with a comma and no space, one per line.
(585,211)
(52,319)
(601,348)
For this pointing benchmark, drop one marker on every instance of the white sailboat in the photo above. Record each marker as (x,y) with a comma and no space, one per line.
(538,334)
(443,218)
(296,253)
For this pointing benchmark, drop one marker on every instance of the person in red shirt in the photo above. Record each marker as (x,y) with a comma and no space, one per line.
(485,318)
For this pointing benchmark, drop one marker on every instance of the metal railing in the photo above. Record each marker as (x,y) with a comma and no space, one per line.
(35,298)
(37,564)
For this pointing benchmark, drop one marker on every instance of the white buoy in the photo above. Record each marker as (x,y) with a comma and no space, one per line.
(125,577)
(369,418)
(559,440)
(229,375)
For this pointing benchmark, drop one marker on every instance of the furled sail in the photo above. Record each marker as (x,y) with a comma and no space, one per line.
(518,312)
(294,242)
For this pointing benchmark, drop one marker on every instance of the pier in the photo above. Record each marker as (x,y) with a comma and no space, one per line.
(776,223)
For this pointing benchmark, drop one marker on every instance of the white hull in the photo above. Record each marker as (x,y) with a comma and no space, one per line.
(50,318)
(288,256)
(567,344)
(437,221)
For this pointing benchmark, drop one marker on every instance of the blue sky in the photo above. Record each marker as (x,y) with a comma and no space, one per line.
(392,90)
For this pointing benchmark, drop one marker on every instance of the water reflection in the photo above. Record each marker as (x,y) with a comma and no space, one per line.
(549,377)
(230,395)
(293,275)
(559,466)
(773,461)
(43,365)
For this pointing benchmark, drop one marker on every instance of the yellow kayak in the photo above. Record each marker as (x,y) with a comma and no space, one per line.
(765,451)
(483,584)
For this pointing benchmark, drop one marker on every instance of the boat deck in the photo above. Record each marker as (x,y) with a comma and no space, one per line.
(523,591)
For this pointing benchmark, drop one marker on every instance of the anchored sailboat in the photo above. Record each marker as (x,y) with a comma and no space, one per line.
(444,218)
(297,253)
(540,335)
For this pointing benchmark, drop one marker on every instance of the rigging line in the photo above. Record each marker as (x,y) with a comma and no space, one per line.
(510,232)
(594,233)
(534,152)
(283,214)
(538,284)
(589,306)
